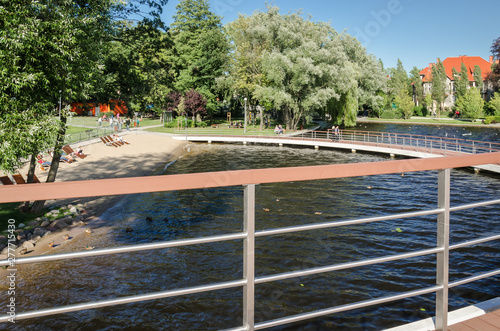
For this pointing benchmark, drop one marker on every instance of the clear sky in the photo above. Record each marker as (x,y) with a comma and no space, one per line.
(415,31)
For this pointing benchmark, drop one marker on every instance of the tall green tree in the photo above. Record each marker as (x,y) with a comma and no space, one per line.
(302,67)
(417,87)
(438,80)
(398,79)
(201,49)
(471,104)
(494,75)
(405,103)
(249,41)
(55,49)
(461,80)
(478,77)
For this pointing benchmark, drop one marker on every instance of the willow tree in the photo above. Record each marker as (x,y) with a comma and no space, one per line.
(249,41)
(306,66)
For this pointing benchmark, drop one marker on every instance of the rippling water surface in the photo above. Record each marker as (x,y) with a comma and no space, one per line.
(186,214)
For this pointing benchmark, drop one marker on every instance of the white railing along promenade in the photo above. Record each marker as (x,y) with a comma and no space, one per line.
(248,281)
(396,141)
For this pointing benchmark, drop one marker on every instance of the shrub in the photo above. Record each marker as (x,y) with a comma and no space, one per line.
(388,114)
(492,120)
(417,111)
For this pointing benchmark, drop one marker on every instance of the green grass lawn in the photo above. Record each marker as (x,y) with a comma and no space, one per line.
(75,129)
(11,211)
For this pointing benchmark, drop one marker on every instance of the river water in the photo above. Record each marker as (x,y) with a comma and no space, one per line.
(187,214)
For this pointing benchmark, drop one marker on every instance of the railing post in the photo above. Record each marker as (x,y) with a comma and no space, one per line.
(443,241)
(249,257)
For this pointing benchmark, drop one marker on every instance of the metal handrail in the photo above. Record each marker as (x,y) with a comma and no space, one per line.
(249,179)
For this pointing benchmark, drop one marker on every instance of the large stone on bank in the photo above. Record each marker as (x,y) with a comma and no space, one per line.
(34,239)
(34,223)
(45,223)
(39,232)
(28,245)
(73,210)
(59,224)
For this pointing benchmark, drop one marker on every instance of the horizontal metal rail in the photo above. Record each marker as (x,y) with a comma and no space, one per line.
(343,266)
(125,300)
(124,249)
(249,178)
(339,309)
(324,225)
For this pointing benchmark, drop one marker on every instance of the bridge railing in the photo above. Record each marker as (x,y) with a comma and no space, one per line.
(248,179)
(419,143)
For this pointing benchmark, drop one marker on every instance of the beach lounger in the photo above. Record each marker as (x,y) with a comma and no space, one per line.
(19,179)
(6,180)
(35,178)
(68,150)
(106,142)
(111,142)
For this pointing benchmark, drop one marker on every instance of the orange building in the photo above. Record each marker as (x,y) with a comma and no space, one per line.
(94,109)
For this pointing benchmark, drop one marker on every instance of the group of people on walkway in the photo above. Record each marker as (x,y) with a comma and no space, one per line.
(279,129)
(336,133)
(117,122)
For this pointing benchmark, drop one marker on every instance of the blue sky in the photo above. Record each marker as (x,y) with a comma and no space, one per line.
(415,31)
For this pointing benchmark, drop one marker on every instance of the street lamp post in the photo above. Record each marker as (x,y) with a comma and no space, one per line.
(60,105)
(245,127)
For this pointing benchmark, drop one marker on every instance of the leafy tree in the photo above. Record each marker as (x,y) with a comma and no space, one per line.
(398,79)
(471,104)
(195,103)
(478,77)
(417,86)
(50,47)
(429,103)
(249,42)
(494,75)
(200,49)
(405,103)
(438,84)
(172,100)
(461,80)
(494,104)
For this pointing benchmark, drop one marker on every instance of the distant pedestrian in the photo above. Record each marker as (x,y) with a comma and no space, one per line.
(100,121)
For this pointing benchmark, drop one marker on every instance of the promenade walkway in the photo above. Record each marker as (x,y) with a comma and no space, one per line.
(413,146)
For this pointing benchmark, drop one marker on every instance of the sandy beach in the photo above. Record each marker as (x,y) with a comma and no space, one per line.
(146,154)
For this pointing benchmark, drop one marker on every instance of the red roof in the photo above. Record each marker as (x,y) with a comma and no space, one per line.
(456,62)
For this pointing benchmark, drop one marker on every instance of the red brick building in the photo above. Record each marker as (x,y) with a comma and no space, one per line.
(456,62)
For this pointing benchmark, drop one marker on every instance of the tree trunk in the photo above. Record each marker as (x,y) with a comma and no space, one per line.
(31,173)
(54,166)
(261,116)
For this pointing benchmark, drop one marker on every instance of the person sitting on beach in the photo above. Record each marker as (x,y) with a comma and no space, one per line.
(44,165)
(64,157)
(120,139)
(79,151)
